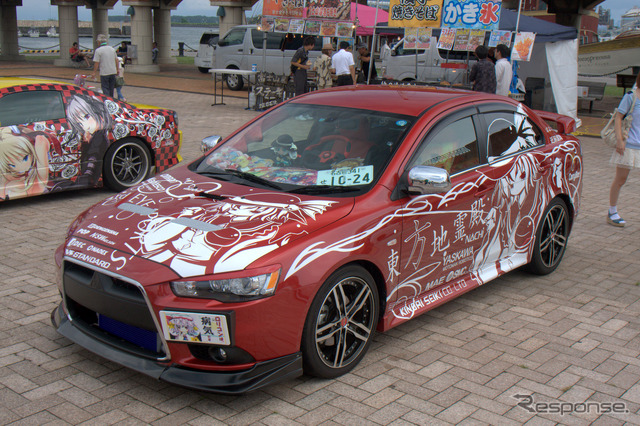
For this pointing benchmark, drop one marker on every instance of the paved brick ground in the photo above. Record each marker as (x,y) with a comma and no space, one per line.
(570,337)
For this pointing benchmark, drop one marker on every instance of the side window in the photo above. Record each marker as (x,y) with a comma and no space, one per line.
(234,37)
(32,106)
(453,148)
(274,40)
(510,132)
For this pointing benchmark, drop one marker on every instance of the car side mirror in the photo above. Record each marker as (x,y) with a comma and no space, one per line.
(423,180)
(209,143)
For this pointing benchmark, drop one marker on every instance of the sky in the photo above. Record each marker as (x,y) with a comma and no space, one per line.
(42,9)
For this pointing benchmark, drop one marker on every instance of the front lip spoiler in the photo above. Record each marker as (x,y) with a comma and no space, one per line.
(260,375)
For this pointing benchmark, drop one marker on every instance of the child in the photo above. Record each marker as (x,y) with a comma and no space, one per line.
(120,80)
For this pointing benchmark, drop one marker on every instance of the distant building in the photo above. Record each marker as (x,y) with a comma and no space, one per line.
(631,19)
(604,17)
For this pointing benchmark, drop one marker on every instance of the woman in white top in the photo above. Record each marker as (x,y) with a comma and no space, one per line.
(627,153)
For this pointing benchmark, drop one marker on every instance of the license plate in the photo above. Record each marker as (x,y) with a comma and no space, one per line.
(194,327)
(346,176)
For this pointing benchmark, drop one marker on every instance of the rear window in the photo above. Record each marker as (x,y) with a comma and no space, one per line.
(209,38)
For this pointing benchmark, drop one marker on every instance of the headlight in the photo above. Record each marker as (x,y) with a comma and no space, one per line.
(254,286)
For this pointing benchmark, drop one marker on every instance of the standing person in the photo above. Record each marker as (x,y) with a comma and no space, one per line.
(105,63)
(122,51)
(120,79)
(343,65)
(322,66)
(627,153)
(77,55)
(299,64)
(504,74)
(154,53)
(483,72)
(366,60)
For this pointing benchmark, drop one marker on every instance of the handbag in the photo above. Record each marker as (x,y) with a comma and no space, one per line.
(119,81)
(608,133)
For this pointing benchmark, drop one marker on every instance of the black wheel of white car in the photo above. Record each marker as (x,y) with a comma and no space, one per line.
(203,70)
(127,163)
(234,81)
(340,323)
(551,239)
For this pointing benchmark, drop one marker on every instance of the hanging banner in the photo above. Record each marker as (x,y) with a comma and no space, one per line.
(522,47)
(471,14)
(447,37)
(415,13)
(500,37)
(329,9)
(284,8)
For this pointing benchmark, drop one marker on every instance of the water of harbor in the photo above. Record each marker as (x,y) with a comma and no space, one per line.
(190,36)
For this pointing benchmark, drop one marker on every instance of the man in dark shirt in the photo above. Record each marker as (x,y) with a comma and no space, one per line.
(299,64)
(483,72)
(365,58)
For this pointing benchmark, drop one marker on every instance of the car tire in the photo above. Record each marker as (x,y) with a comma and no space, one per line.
(127,163)
(551,239)
(234,81)
(203,70)
(340,323)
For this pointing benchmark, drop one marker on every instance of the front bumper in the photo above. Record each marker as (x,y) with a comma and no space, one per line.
(237,382)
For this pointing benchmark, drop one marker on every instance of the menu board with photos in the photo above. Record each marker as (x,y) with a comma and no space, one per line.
(500,37)
(281,25)
(462,39)
(523,46)
(296,26)
(447,37)
(312,27)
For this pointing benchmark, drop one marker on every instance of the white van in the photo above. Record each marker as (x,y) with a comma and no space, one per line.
(430,66)
(242,47)
(204,57)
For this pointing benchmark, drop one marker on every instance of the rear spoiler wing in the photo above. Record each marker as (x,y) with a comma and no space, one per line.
(562,123)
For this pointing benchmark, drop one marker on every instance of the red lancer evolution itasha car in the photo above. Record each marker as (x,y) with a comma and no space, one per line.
(334,214)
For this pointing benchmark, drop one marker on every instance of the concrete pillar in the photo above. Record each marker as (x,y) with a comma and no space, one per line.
(162,34)
(142,39)
(100,24)
(68,31)
(233,13)
(9,32)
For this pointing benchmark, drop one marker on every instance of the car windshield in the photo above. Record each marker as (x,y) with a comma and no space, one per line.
(310,149)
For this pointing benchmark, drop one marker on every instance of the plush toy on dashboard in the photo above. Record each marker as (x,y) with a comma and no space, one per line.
(285,150)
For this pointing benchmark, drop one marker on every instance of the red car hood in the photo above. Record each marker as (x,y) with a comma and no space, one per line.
(198,226)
